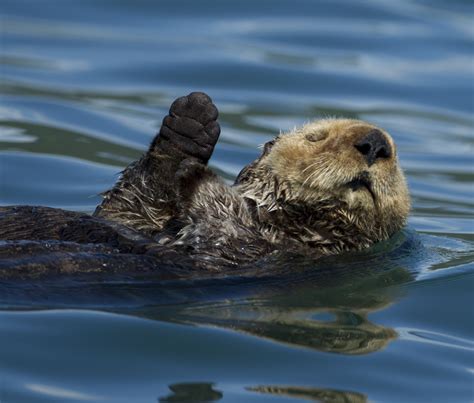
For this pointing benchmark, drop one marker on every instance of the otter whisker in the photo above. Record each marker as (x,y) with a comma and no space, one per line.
(320,161)
(310,166)
(308,178)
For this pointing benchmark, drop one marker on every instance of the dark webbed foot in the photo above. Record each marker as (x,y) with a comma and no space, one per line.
(190,129)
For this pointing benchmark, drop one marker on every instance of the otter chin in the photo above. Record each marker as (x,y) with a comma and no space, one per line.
(330,186)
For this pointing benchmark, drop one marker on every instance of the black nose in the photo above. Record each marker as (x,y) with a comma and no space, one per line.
(374,146)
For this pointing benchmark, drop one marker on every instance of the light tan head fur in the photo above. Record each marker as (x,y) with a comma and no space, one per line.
(320,165)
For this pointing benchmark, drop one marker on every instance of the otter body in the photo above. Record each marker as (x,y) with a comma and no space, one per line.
(330,186)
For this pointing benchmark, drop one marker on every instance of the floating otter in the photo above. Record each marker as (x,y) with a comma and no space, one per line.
(330,186)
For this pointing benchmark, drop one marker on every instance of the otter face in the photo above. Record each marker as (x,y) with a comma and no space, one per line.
(349,164)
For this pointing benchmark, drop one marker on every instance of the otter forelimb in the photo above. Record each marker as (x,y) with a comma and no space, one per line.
(145,198)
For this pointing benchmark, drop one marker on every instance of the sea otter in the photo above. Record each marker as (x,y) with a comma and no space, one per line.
(330,186)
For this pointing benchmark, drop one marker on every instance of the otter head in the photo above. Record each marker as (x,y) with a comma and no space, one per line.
(346,175)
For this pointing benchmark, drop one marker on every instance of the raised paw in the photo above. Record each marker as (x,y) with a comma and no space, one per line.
(191,128)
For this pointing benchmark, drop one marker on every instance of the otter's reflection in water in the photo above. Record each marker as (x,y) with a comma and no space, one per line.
(331,318)
(312,394)
(192,392)
(204,392)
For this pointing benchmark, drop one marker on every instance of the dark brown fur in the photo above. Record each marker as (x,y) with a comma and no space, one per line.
(311,191)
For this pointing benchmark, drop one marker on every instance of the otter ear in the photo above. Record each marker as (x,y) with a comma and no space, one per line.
(267,147)
(248,170)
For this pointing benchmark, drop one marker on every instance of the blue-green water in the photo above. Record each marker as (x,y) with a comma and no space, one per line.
(85,85)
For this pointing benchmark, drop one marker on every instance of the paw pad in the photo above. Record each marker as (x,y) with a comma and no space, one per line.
(191,126)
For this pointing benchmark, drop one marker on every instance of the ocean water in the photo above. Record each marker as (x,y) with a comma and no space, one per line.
(85,85)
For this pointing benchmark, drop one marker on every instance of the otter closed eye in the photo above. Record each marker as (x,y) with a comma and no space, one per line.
(302,194)
(313,137)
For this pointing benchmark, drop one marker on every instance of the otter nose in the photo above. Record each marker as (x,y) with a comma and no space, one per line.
(374,146)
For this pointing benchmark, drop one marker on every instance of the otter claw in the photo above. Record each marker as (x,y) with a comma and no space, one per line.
(190,128)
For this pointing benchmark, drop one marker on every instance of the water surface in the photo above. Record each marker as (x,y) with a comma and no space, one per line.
(84,88)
